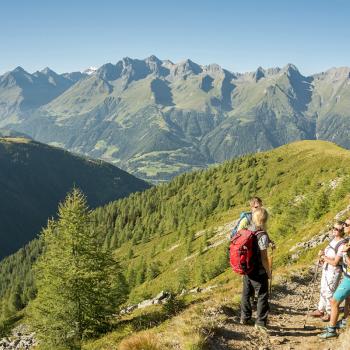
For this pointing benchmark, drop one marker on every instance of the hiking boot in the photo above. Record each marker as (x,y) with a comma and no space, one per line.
(330,332)
(316,313)
(341,324)
(246,321)
(326,318)
(261,328)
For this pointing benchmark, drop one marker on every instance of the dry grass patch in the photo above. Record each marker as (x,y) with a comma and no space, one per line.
(141,341)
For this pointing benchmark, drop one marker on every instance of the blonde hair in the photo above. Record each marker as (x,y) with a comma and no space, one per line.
(260,217)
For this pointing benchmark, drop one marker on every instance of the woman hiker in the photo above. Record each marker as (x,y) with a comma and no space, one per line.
(258,280)
(331,272)
(342,293)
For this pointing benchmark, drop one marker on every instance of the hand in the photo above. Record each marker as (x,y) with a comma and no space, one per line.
(346,248)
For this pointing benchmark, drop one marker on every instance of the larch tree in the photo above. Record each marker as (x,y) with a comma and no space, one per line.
(79,283)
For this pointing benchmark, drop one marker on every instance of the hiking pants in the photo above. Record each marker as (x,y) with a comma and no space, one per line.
(329,282)
(259,284)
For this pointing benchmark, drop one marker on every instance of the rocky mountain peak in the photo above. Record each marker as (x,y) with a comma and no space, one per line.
(259,74)
(90,71)
(18,76)
(273,71)
(110,71)
(48,71)
(19,69)
(184,68)
(154,59)
(290,69)
(335,74)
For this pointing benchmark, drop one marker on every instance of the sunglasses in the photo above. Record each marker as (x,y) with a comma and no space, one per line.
(346,224)
(337,229)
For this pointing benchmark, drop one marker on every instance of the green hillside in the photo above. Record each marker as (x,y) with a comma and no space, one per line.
(35,177)
(174,235)
(157,119)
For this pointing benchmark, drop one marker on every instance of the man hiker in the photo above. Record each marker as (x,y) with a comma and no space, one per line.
(245,220)
(342,293)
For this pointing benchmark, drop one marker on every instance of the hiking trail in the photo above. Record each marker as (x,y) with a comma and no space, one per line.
(288,306)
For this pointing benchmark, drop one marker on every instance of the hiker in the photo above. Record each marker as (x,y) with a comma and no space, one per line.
(245,222)
(342,293)
(343,321)
(258,280)
(245,219)
(330,257)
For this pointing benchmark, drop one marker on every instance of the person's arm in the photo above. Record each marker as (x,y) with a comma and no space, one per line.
(337,259)
(265,262)
(332,261)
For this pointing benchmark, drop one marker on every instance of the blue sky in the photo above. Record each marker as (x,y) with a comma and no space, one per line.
(238,35)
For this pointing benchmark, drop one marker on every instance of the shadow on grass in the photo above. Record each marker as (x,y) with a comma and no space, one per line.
(7,325)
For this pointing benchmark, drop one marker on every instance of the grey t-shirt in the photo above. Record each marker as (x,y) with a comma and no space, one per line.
(263,243)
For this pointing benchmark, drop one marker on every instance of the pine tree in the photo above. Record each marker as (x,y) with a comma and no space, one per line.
(79,283)
(183,277)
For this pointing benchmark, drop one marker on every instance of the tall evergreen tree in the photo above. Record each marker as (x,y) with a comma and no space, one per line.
(79,283)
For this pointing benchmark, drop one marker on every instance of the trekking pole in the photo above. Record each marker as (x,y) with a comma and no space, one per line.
(313,284)
(271,264)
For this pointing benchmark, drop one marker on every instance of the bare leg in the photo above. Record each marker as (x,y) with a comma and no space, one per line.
(346,308)
(334,312)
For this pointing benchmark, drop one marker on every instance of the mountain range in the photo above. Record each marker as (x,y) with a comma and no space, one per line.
(156,119)
(35,177)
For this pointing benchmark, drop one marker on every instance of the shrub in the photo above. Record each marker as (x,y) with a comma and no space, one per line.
(174,305)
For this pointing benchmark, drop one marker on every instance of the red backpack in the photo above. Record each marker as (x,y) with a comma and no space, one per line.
(243,251)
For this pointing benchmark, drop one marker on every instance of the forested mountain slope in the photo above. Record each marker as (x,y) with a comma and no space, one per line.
(174,235)
(35,177)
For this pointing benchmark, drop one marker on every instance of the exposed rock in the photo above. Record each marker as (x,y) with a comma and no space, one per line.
(161,298)
(298,199)
(209,288)
(333,184)
(145,303)
(195,290)
(162,295)
(20,339)
(318,239)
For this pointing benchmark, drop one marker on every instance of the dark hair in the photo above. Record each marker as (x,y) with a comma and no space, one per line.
(340,223)
(254,200)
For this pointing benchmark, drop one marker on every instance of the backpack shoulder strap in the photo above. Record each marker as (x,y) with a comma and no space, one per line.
(342,241)
(248,215)
(244,214)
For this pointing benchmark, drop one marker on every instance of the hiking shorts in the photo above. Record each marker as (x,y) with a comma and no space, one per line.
(343,290)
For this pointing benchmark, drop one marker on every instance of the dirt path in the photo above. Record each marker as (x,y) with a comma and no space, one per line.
(289,304)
